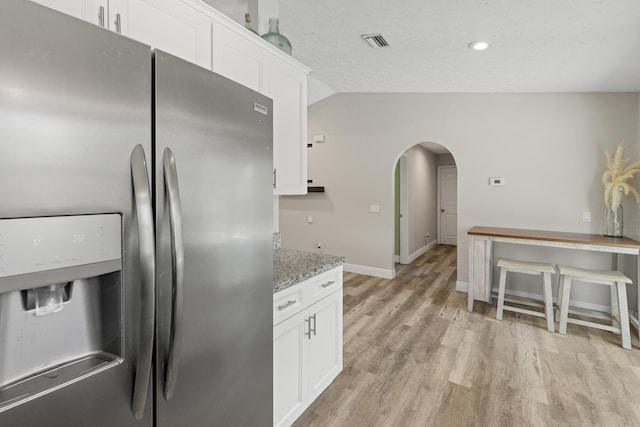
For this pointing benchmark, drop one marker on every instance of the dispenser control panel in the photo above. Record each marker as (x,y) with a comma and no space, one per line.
(30,245)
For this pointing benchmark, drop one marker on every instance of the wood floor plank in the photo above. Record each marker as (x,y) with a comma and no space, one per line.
(413,356)
(462,372)
(532,385)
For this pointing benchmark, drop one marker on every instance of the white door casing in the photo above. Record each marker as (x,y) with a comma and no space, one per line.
(404,211)
(448,205)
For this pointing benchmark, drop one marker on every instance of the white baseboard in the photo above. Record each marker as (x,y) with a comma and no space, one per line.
(396,258)
(370,271)
(461,286)
(417,254)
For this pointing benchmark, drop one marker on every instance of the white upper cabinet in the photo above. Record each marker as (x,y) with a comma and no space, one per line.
(169,25)
(236,57)
(97,12)
(287,86)
(69,7)
(249,60)
(194,31)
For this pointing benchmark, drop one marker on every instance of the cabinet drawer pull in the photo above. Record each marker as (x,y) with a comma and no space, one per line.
(288,304)
(329,283)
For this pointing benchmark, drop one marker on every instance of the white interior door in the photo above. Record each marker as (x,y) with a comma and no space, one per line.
(448,205)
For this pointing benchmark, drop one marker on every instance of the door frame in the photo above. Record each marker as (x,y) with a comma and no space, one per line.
(404,210)
(438,212)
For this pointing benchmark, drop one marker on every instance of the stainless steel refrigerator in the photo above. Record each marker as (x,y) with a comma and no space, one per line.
(135,233)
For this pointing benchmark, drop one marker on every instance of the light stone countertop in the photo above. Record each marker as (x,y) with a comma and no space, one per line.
(291,266)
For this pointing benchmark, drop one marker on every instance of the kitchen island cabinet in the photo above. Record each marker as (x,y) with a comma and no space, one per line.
(307,342)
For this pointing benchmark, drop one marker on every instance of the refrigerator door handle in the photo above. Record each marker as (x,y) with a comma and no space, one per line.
(177,263)
(144,214)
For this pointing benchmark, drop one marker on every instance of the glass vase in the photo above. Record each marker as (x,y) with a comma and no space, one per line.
(613,221)
(275,38)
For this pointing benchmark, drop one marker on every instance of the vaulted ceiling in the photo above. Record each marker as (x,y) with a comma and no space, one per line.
(534,45)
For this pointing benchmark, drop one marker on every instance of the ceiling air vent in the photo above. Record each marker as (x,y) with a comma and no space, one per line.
(375,40)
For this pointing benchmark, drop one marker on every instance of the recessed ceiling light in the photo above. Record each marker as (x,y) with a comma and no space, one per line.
(478,45)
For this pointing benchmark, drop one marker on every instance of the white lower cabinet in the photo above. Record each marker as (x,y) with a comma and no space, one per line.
(307,344)
(324,355)
(288,353)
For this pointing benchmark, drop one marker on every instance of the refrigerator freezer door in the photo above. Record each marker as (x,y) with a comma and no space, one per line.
(74,101)
(219,133)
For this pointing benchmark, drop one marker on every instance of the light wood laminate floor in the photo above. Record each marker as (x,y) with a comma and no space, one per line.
(414,356)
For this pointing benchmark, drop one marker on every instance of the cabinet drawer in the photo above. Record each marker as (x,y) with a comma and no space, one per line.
(322,285)
(287,304)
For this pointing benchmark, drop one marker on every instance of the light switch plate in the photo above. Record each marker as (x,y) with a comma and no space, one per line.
(374,208)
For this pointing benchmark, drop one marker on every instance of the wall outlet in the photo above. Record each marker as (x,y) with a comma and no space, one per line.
(310,219)
(496,181)
(586,216)
(374,208)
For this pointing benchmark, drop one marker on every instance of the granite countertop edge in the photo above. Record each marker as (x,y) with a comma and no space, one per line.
(291,266)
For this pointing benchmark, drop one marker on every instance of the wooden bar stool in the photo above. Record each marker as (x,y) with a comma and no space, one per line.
(536,268)
(619,310)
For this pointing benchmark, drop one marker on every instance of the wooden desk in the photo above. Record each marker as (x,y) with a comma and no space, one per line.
(481,253)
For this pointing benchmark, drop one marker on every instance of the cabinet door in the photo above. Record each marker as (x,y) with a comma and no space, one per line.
(238,58)
(287,86)
(325,346)
(288,364)
(70,7)
(171,26)
(97,12)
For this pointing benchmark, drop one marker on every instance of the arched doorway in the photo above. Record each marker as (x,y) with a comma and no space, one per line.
(421,194)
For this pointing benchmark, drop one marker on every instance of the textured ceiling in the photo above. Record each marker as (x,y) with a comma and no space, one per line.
(535,45)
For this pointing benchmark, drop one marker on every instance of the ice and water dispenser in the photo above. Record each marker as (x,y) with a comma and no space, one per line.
(60,302)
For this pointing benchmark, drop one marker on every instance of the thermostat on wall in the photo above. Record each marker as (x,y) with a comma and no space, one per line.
(496,181)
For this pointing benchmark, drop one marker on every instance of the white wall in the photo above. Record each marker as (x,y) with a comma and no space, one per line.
(548,147)
(445,160)
(422,180)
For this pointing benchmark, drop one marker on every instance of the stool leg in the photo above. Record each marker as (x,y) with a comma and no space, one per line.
(638,293)
(564,309)
(501,286)
(624,314)
(548,301)
(559,299)
(615,308)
